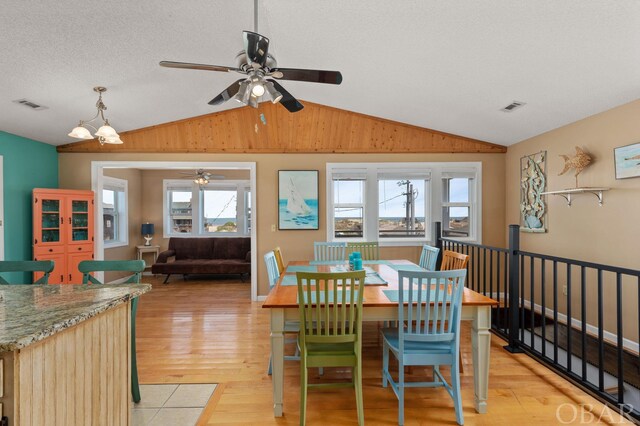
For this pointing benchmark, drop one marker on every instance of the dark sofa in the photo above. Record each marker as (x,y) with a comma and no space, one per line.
(208,255)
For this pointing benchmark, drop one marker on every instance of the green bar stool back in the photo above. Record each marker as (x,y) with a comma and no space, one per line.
(44,266)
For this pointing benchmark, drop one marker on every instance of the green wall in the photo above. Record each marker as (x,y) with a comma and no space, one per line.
(27,164)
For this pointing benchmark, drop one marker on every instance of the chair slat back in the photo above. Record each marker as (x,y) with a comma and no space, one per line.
(453,260)
(279,261)
(433,304)
(428,257)
(272,268)
(368,250)
(88,266)
(329,251)
(330,306)
(44,266)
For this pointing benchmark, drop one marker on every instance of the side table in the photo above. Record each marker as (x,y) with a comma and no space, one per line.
(155,250)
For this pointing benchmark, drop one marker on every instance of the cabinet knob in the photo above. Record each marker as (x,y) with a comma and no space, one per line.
(50,249)
(79,248)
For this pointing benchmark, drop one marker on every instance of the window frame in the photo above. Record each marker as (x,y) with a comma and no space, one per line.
(362,205)
(197,207)
(433,198)
(448,175)
(120,187)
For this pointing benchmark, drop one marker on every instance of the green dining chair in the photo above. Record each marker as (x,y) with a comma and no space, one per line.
(329,251)
(330,306)
(44,266)
(136,267)
(273,274)
(429,257)
(429,310)
(368,250)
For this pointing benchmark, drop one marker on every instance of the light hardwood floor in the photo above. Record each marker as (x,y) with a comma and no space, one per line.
(210,332)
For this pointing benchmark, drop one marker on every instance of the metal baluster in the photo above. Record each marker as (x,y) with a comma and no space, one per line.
(600,334)
(522,298)
(544,307)
(532,266)
(555,311)
(506,289)
(569,319)
(619,331)
(484,271)
(583,309)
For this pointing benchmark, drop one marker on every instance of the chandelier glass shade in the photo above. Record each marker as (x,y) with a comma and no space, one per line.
(104,134)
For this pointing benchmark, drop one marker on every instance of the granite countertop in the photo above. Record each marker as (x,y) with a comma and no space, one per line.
(30,313)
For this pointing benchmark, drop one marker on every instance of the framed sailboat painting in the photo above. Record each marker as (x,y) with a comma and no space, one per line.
(297,199)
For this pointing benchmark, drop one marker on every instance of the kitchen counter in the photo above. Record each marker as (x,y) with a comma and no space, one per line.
(30,313)
(65,353)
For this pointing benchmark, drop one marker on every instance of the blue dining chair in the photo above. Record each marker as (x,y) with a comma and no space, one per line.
(329,252)
(44,266)
(136,267)
(428,257)
(429,333)
(273,274)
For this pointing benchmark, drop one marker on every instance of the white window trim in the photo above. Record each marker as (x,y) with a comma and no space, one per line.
(474,204)
(115,184)
(196,202)
(433,198)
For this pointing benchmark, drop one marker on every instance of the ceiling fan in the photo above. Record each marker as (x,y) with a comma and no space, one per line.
(261,72)
(202,177)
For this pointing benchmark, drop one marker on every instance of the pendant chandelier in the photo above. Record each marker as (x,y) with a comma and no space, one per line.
(104,134)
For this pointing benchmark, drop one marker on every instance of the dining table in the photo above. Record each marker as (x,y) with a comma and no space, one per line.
(380,304)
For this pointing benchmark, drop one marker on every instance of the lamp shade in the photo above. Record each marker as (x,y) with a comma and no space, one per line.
(147,229)
(80,133)
(106,132)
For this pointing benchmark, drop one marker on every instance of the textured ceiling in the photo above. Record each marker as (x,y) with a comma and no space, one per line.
(444,65)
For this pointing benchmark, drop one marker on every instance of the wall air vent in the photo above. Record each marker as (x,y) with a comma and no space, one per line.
(29,104)
(513,106)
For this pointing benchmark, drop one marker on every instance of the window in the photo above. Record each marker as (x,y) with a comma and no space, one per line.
(456,205)
(402,206)
(218,208)
(396,203)
(348,205)
(114,212)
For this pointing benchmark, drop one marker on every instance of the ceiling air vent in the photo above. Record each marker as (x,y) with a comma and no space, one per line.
(30,104)
(513,106)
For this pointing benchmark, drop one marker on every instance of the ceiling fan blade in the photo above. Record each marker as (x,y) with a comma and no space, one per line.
(256,47)
(313,76)
(205,67)
(227,93)
(287,101)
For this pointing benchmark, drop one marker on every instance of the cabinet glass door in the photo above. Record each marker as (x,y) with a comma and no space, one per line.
(79,220)
(50,221)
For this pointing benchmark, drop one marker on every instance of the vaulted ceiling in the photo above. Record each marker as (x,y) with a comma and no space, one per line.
(445,65)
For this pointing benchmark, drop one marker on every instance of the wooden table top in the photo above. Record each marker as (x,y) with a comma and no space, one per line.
(286,296)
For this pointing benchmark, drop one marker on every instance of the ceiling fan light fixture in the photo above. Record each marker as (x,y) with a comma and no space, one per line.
(257,89)
(243,93)
(253,101)
(201,180)
(114,140)
(80,133)
(271,90)
(106,132)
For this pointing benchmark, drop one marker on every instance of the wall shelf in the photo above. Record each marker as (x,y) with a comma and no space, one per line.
(567,193)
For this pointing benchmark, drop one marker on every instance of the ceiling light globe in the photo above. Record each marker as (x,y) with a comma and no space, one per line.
(257,90)
(80,133)
(271,90)
(113,141)
(106,132)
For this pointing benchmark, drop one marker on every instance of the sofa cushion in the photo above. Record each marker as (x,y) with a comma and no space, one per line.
(192,248)
(231,248)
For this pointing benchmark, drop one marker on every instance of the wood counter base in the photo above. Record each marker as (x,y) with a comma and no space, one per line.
(79,376)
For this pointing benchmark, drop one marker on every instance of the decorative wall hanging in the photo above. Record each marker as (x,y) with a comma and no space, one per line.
(533,181)
(298,199)
(627,161)
(578,162)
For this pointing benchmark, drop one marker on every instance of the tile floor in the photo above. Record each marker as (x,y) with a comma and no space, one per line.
(171,404)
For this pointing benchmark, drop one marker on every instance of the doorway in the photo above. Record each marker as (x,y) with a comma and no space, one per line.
(98,180)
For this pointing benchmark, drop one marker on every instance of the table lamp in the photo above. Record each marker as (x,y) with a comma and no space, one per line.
(147,233)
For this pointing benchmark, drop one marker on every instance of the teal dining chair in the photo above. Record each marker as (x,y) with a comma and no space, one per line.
(44,266)
(330,306)
(329,252)
(428,257)
(136,267)
(273,274)
(429,309)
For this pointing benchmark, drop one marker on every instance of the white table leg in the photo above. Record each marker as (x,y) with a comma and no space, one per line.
(277,359)
(481,342)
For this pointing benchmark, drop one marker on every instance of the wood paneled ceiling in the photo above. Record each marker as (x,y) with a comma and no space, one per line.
(272,129)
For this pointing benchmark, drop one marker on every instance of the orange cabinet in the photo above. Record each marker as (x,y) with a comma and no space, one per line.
(63,227)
